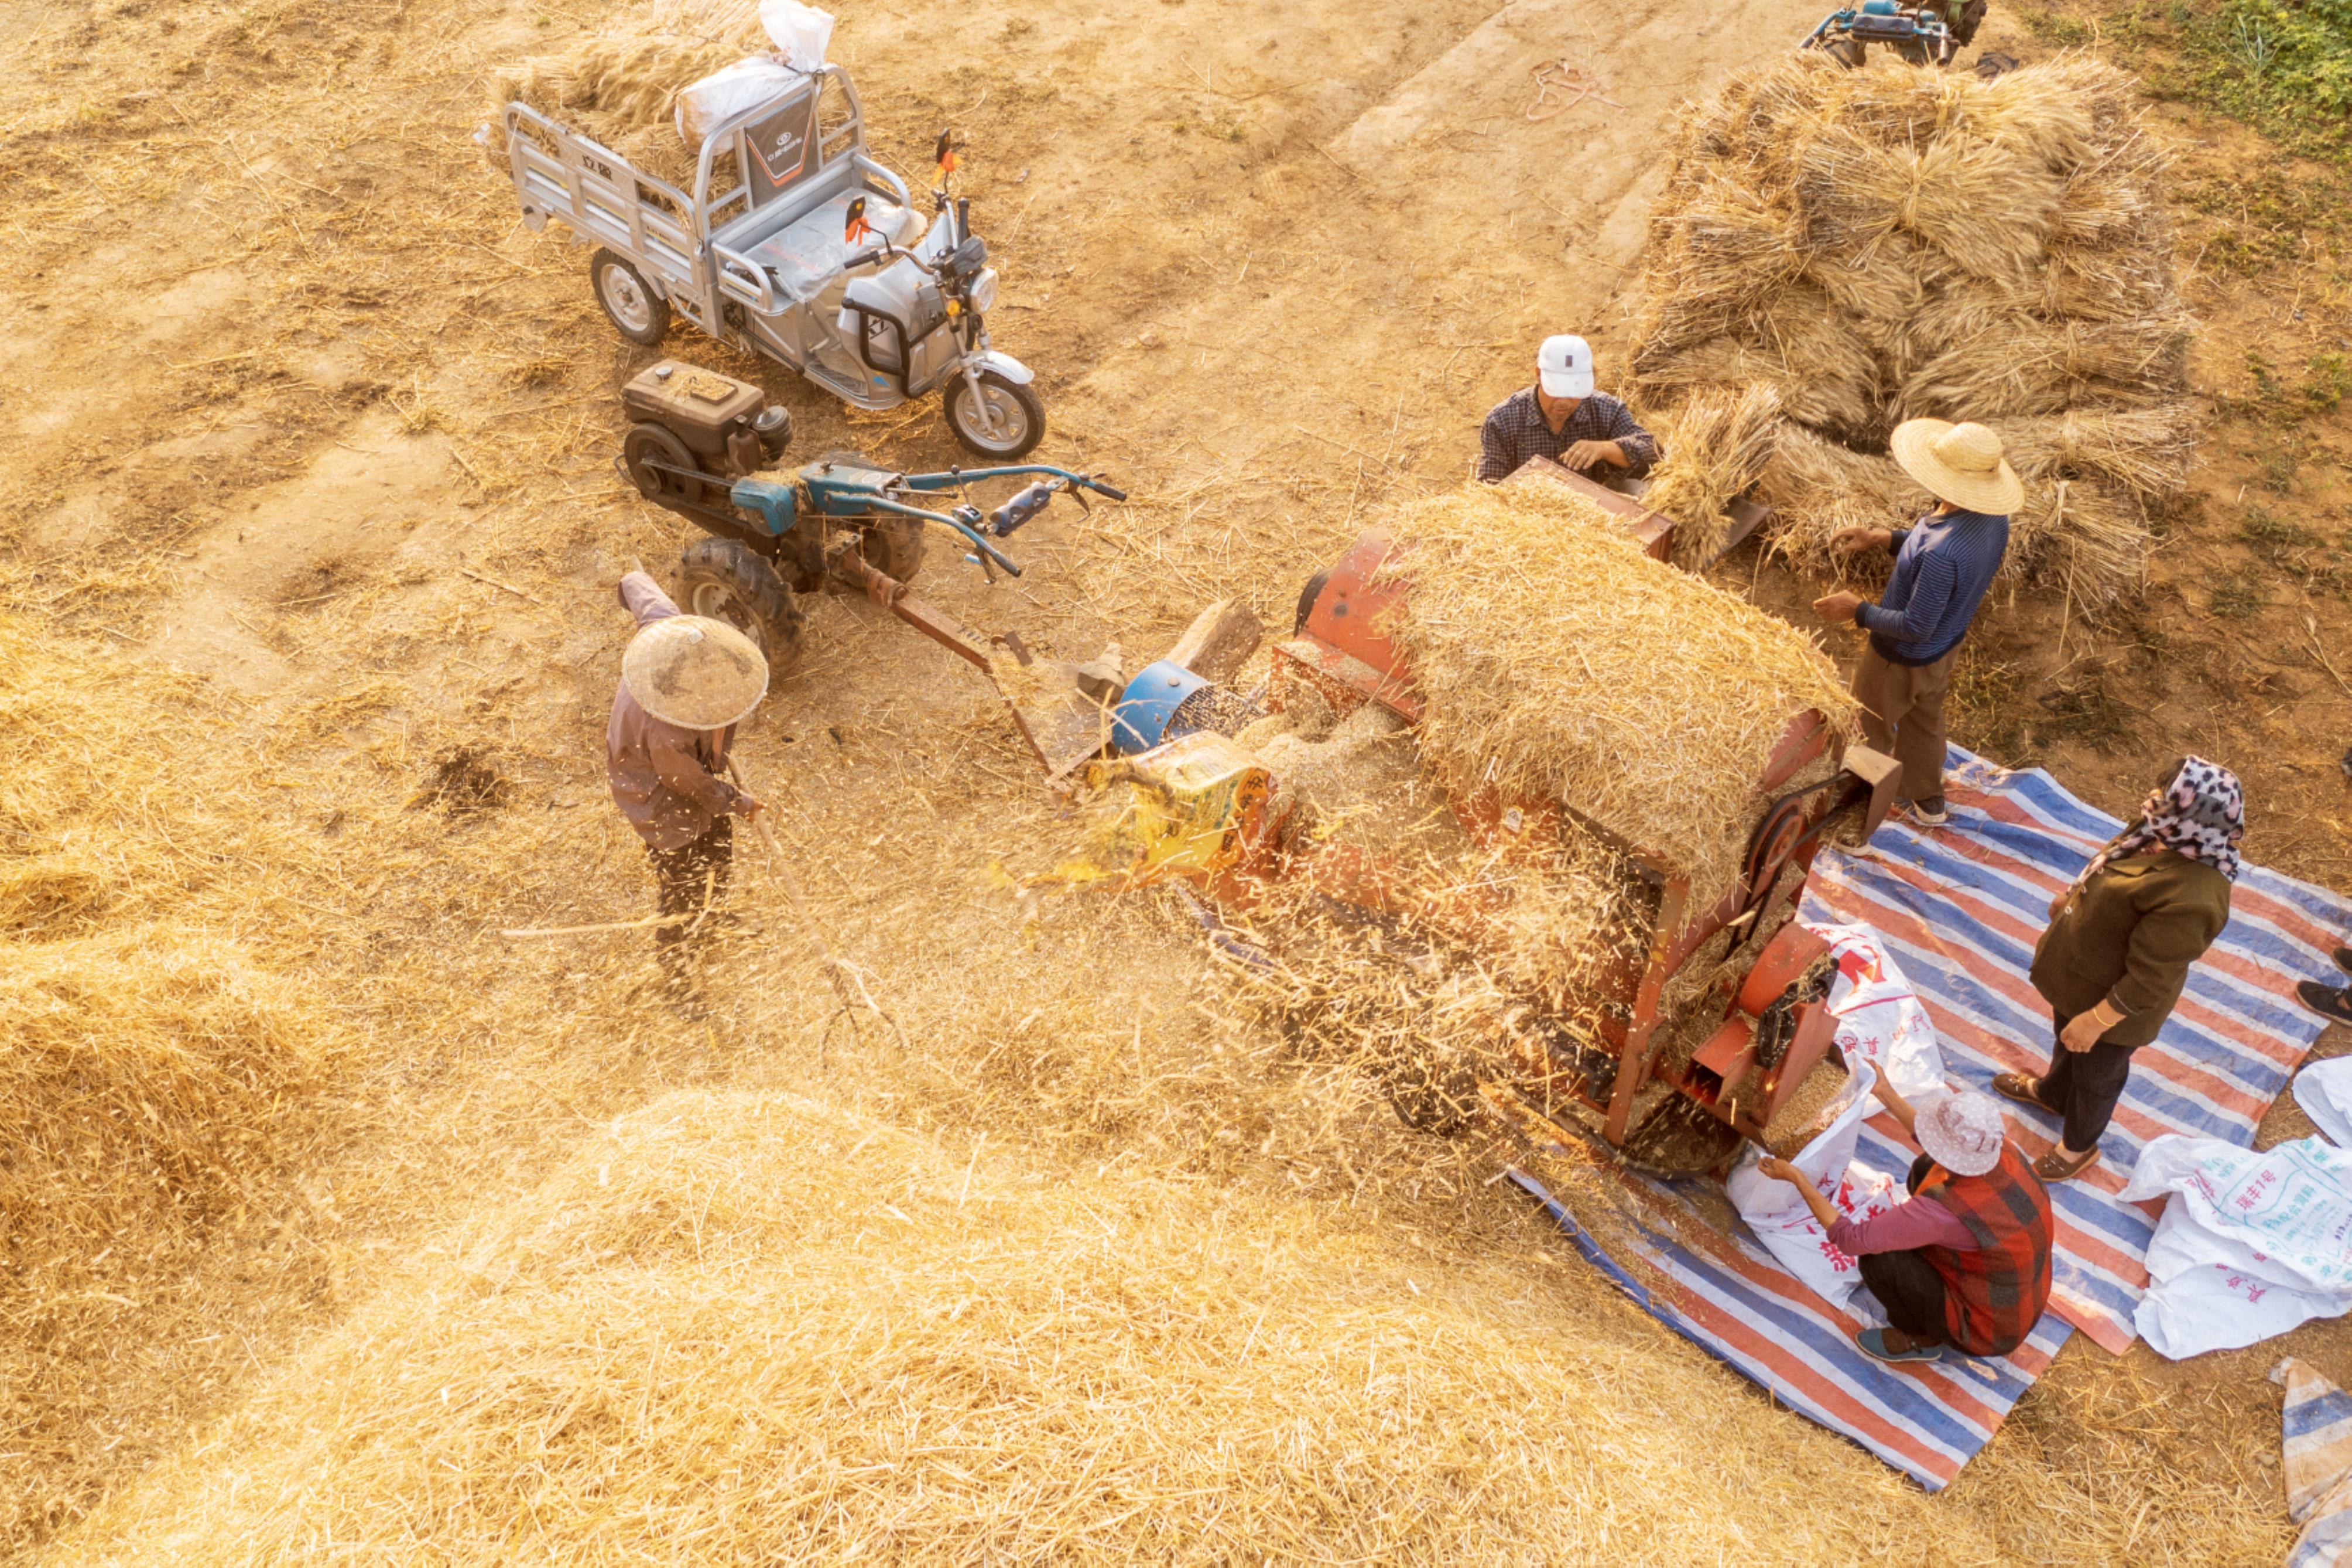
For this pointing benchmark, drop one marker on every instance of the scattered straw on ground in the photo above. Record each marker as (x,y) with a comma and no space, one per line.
(1560,663)
(1890,243)
(163,1083)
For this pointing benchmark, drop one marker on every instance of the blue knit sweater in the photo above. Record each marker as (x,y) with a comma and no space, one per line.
(1942,567)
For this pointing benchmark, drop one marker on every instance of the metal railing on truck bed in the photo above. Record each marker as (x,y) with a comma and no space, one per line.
(561,174)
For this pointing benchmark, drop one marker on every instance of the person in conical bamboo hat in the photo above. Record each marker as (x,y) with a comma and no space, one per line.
(1942,564)
(687,681)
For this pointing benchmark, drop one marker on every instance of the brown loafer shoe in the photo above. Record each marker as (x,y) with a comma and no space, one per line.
(2054,1166)
(2016,1086)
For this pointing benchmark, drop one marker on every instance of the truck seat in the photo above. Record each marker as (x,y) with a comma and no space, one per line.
(805,255)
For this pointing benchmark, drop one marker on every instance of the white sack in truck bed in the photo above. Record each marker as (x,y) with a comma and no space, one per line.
(717,98)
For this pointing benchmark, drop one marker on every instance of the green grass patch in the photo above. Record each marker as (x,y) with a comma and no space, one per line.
(2272,537)
(2236,596)
(2289,396)
(2283,66)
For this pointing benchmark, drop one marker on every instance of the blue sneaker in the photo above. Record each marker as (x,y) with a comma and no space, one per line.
(1872,1343)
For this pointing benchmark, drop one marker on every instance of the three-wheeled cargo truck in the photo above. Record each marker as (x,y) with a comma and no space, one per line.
(793,244)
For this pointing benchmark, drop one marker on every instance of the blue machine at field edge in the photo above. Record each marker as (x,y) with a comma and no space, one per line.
(1925,34)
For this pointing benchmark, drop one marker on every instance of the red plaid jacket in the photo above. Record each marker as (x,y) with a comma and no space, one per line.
(1993,1292)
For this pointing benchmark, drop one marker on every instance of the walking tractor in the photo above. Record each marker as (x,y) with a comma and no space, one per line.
(702,445)
(796,244)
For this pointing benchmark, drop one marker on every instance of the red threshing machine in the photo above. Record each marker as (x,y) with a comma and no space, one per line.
(1744,1041)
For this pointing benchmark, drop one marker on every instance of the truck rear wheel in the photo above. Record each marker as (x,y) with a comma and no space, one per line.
(727,580)
(638,311)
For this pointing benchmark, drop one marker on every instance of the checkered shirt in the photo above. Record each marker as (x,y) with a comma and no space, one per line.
(1516,431)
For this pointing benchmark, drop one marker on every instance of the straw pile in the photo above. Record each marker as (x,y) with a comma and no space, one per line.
(1562,664)
(1884,244)
(618,85)
(752,1327)
(149,1074)
(1400,946)
(162,1082)
(151,1063)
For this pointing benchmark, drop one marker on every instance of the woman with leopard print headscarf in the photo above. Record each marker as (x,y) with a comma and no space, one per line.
(2118,949)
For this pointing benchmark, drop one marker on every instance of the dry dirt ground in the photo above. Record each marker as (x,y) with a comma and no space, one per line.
(295,404)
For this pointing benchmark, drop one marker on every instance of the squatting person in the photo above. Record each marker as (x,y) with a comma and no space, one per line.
(1943,564)
(2118,949)
(686,683)
(1563,418)
(1965,1261)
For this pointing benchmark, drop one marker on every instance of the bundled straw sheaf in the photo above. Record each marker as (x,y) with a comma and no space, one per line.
(1560,663)
(1892,243)
(1718,442)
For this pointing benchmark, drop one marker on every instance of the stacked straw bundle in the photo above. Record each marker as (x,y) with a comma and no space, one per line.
(1560,663)
(617,85)
(1839,250)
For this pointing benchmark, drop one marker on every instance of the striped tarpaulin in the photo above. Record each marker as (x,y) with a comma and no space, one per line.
(1961,908)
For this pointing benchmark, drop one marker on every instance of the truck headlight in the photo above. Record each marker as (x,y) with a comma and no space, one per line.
(983,290)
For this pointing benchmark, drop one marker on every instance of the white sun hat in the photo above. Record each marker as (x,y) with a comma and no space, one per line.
(694,672)
(1961,1132)
(1564,366)
(1963,464)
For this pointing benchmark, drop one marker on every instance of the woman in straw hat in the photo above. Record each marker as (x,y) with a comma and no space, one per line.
(2118,948)
(1943,564)
(1966,1261)
(686,683)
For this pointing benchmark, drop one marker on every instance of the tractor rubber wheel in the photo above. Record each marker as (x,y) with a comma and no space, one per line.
(1020,417)
(893,547)
(649,444)
(638,311)
(727,580)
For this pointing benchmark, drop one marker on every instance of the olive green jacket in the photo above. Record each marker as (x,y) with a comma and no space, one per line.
(2129,935)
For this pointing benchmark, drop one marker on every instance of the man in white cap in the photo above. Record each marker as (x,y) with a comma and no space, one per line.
(686,683)
(1966,1261)
(1562,419)
(1943,564)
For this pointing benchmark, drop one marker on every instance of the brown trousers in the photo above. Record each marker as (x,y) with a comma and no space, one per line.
(1903,715)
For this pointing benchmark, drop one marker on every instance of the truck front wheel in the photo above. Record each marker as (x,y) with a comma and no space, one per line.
(1002,424)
